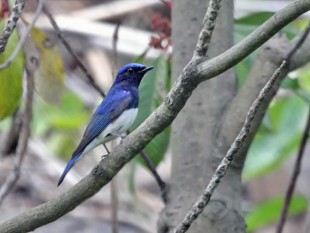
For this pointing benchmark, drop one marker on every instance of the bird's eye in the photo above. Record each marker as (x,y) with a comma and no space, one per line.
(130,70)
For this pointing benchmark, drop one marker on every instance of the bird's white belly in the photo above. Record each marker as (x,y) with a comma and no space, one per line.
(117,127)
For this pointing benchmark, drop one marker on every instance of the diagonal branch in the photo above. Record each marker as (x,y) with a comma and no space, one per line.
(297,167)
(217,65)
(221,170)
(11,24)
(292,184)
(151,167)
(72,52)
(194,73)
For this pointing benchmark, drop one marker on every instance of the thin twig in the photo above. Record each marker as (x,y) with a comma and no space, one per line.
(297,167)
(208,27)
(220,172)
(23,139)
(24,37)
(72,52)
(151,167)
(293,181)
(11,24)
(161,118)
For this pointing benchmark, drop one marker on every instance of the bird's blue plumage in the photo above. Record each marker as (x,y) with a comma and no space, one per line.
(122,96)
(128,66)
(109,110)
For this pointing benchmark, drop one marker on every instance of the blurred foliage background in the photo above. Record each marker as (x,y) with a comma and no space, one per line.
(64,103)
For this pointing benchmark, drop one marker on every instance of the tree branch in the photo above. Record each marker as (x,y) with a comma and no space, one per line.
(194,73)
(151,167)
(72,52)
(292,184)
(211,68)
(297,167)
(11,24)
(221,170)
(23,139)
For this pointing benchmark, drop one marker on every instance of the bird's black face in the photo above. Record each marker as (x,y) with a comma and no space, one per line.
(132,73)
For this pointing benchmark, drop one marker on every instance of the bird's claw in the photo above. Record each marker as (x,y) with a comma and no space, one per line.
(104,156)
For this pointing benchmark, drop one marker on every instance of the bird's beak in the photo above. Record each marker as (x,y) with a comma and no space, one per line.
(146,69)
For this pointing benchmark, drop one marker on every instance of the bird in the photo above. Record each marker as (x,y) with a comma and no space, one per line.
(115,114)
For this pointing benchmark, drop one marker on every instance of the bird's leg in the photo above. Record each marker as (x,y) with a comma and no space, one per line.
(107,149)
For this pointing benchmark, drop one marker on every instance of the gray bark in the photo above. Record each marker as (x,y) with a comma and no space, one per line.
(196,71)
(195,131)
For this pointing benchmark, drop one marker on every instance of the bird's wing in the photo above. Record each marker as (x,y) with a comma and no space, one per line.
(107,112)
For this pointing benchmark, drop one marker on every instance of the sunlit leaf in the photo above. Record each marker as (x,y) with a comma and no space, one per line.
(152,91)
(255,18)
(69,115)
(290,83)
(269,149)
(50,75)
(10,78)
(269,211)
(303,78)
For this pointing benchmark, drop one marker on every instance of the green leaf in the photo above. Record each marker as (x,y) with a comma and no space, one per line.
(289,83)
(304,78)
(10,78)
(254,19)
(152,91)
(270,148)
(269,211)
(69,115)
(50,76)
(157,148)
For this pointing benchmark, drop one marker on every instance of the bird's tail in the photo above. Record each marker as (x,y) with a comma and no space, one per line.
(67,169)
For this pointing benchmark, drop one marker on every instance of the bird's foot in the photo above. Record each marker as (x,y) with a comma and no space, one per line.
(104,156)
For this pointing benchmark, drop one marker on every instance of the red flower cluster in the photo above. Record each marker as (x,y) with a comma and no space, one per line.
(168,3)
(163,27)
(4,10)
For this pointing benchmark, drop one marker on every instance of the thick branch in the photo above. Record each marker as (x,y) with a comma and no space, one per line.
(220,172)
(11,24)
(211,68)
(269,57)
(192,75)
(244,133)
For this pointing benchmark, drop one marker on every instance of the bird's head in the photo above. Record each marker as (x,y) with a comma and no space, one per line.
(132,73)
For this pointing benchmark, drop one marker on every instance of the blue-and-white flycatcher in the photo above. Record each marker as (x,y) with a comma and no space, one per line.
(116,113)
